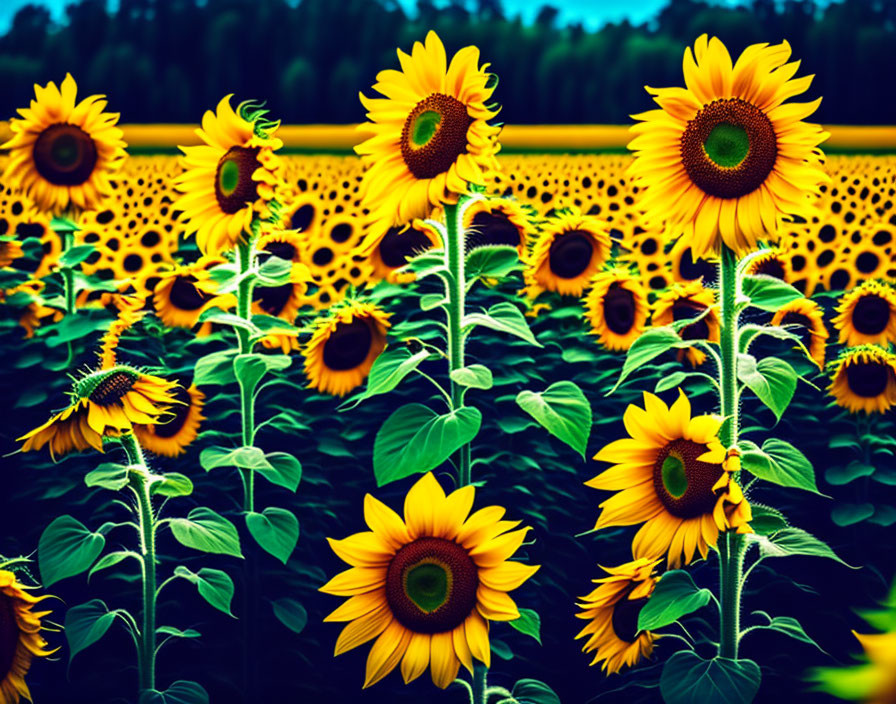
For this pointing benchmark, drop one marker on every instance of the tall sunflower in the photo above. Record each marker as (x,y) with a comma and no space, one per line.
(62,152)
(105,403)
(867,315)
(616,307)
(672,475)
(231,179)
(570,249)
(171,436)
(805,318)
(343,347)
(864,379)
(430,135)
(427,586)
(726,159)
(612,611)
(496,221)
(20,639)
(683,302)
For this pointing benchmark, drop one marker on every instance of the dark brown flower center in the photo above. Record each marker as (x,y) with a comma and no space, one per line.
(871,315)
(177,413)
(398,246)
(348,345)
(431,585)
(770,266)
(112,389)
(729,148)
(9,635)
(492,228)
(682,482)
(284,250)
(570,254)
(868,379)
(685,310)
(184,295)
(273,299)
(65,155)
(619,309)
(434,135)
(234,187)
(625,618)
(691,270)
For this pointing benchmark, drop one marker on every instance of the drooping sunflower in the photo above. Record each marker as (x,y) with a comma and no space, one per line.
(570,249)
(105,403)
(230,179)
(62,152)
(805,318)
(429,134)
(616,307)
(672,475)
(20,638)
(171,436)
(343,347)
(495,221)
(726,159)
(130,311)
(183,292)
(392,250)
(772,262)
(683,302)
(864,379)
(867,315)
(427,586)
(612,611)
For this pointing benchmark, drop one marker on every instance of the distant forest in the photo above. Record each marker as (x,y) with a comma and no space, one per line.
(169,60)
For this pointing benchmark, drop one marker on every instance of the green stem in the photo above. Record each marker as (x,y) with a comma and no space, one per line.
(68,288)
(139,478)
(456,294)
(478,695)
(731,545)
(245,255)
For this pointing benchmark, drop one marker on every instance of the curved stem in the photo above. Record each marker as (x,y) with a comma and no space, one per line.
(245,259)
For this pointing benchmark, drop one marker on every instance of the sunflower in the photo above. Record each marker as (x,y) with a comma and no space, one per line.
(570,249)
(867,315)
(805,318)
(616,308)
(726,159)
(282,301)
(343,347)
(391,250)
(612,611)
(231,179)
(496,221)
(170,437)
(430,135)
(285,244)
(686,267)
(672,475)
(427,587)
(685,301)
(10,250)
(20,639)
(62,152)
(864,379)
(106,403)
(184,292)
(130,311)
(772,262)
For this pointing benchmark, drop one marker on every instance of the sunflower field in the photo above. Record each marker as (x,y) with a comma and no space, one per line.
(433,422)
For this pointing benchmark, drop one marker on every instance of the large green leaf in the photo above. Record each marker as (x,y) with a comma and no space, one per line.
(787,625)
(180,692)
(205,530)
(282,469)
(85,624)
(290,613)
(689,679)
(648,346)
(393,365)
(503,317)
(772,380)
(171,485)
(416,439)
(67,548)
(492,261)
(675,596)
(108,475)
(795,541)
(528,691)
(250,368)
(276,530)
(474,376)
(248,457)
(215,369)
(214,586)
(562,410)
(779,462)
(767,292)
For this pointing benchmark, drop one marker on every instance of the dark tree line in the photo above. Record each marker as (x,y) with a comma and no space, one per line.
(169,60)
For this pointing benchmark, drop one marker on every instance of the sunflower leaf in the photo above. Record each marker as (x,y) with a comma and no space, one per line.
(108,475)
(180,692)
(290,613)
(772,380)
(844,514)
(767,292)
(794,541)
(475,376)
(205,530)
(779,462)
(276,530)
(528,691)
(503,317)
(675,596)
(492,261)
(528,623)
(215,369)
(67,548)
(274,272)
(172,484)
(75,255)
(281,469)
(562,410)
(85,624)
(243,457)
(389,368)
(221,317)
(687,679)
(215,586)
(787,625)
(648,346)
(250,368)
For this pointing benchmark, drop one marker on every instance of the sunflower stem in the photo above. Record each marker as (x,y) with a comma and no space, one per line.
(456,295)
(68,287)
(479,693)
(138,477)
(731,545)
(245,255)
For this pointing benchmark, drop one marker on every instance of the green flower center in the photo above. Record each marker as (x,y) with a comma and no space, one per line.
(234,186)
(228,177)
(427,585)
(106,387)
(424,127)
(434,135)
(675,479)
(683,483)
(727,145)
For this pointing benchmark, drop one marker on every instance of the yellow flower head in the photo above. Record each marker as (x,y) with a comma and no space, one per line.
(686,301)
(867,315)
(864,379)
(171,436)
(616,308)
(805,318)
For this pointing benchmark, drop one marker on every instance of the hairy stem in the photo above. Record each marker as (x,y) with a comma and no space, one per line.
(246,260)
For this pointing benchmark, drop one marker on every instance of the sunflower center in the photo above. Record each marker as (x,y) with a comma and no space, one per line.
(348,345)
(112,388)
(770,267)
(682,482)
(180,410)
(492,228)
(397,247)
(431,585)
(619,309)
(284,250)
(64,155)
(570,254)
(625,618)
(273,299)
(803,329)
(691,270)
(868,379)
(871,315)
(184,294)
(9,635)
(234,187)
(729,148)
(685,310)
(434,135)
